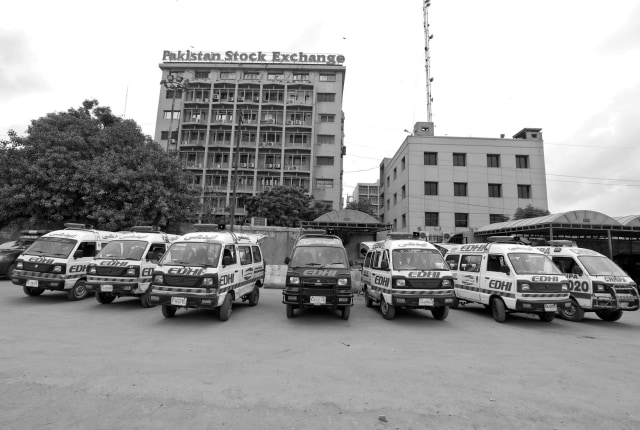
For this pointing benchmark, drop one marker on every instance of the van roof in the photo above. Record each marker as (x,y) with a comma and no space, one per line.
(403,243)
(149,237)
(81,233)
(319,240)
(493,247)
(569,250)
(222,236)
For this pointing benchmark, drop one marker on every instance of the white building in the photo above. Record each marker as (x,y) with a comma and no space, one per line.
(445,185)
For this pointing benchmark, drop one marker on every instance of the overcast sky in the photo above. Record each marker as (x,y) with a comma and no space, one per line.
(569,67)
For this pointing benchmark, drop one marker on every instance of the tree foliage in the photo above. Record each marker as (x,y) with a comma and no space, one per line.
(362,205)
(87,165)
(529,212)
(285,206)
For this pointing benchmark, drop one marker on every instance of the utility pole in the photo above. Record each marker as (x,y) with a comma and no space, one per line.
(234,177)
(427,55)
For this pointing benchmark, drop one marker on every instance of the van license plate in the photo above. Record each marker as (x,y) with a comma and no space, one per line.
(318,300)
(425,302)
(32,282)
(179,301)
(106,288)
(550,308)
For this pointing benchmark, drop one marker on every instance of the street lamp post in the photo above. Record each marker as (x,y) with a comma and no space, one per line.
(174,83)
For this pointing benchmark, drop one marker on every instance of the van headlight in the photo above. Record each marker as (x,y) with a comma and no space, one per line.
(91,270)
(294,280)
(446,282)
(526,287)
(158,279)
(207,282)
(400,283)
(19,265)
(57,269)
(342,282)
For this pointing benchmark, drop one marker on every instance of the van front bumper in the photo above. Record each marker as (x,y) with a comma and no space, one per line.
(542,306)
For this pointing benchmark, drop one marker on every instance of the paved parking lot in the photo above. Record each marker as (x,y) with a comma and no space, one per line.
(79,365)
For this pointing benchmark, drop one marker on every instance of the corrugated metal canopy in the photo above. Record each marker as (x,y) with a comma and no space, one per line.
(347,220)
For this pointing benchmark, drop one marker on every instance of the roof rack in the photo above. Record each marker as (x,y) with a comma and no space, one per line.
(509,239)
(145,228)
(77,226)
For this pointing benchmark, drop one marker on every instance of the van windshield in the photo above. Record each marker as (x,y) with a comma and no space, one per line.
(319,256)
(417,259)
(193,254)
(58,247)
(533,264)
(601,266)
(123,250)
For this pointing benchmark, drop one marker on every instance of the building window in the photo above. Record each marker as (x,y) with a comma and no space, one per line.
(325,117)
(402,164)
(524,191)
(300,76)
(493,160)
(462,220)
(167,114)
(459,159)
(430,188)
(324,161)
(327,77)
(165,134)
(494,218)
(169,94)
(388,204)
(227,75)
(495,190)
(251,75)
(431,219)
(395,173)
(404,192)
(324,183)
(522,161)
(395,224)
(404,221)
(326,97)
(460,189)
(430,158)
(202,74)
(388,181)
(324,139)
(395,199)
(273,76)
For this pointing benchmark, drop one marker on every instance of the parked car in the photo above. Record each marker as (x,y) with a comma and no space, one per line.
(9,251)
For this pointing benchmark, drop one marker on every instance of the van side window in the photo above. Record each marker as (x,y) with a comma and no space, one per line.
(385,258)
(452,261)
(230,251)
(245,255)
(367,259)
(376,259)
(494,263)
(88,249)
(565,264)
(470,263)
(257,256)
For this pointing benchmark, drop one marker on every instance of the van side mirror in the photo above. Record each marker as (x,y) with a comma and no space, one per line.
(505,269)
(577,270)
(287,260)
(78,254)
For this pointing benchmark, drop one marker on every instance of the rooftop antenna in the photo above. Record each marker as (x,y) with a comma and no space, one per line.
(427,66)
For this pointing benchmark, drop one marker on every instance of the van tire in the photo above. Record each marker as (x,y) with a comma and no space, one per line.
(546,316)
(498,310)
(78,291)
(225,309)
(574,313)
(168,311)
(346,311)
(440,312)
(32,292)
(10,271)
(105,298)
(368,301)
(254,297)
(290,313)
(609,315)
(388,311)
(145,299)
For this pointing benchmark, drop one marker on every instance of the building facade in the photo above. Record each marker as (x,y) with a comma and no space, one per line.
(276,117)
(369,192)
(447,185)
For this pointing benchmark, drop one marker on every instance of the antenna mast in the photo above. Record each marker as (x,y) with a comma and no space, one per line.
(427,66)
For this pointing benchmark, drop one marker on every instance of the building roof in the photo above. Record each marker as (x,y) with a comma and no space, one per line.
(347,219)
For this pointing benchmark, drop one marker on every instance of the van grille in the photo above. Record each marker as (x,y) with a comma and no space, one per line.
(181,281)
(111,271)
(37,267)
(423,284)
(546,287)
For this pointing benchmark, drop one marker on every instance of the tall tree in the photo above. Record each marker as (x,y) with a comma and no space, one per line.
(284,206)
(362,205)
(529,212)
(88,165)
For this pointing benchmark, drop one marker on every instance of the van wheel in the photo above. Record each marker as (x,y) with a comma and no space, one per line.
(225,309)
(388,311)
(440,313)
(290,313)
(573,313)
(32,292)
(368,301)
(498,309)
(145,299)
(609,315)
(254,296)
(346,311)
(105,298)
(10,271)
(168,311)
(78,291)
(546,316)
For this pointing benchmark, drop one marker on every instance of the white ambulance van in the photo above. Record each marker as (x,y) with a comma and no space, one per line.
(58,261)
(125,265)
(508,277)
(597,284)
(402,272)
(209,270)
